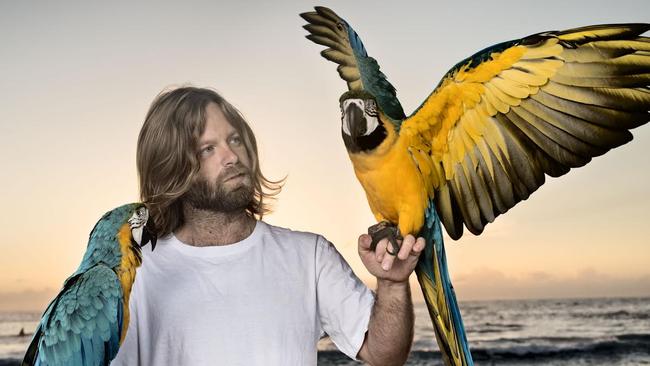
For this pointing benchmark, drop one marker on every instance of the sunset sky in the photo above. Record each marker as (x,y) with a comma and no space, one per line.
(76,80)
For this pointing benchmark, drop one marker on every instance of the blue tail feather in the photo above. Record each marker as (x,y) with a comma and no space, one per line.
(432,232)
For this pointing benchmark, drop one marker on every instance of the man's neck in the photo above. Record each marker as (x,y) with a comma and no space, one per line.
(207,228)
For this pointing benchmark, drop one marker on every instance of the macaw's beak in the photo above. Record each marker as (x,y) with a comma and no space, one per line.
(356,121)
(149,234)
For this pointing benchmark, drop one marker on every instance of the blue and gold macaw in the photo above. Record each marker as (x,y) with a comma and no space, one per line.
(87,321)
(485,138)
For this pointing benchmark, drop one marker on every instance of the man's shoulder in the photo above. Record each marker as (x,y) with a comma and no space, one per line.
(297,236)
(309,246)
(294,235)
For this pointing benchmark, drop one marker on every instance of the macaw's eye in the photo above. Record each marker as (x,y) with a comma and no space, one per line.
(371,108)
(339,26)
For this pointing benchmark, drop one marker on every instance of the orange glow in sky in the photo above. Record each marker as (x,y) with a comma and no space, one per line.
(76,81)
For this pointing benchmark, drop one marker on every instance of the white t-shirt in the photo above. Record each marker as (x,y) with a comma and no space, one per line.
(266,300)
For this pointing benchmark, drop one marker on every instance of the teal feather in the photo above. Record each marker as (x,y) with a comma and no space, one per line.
(324,28)
(98,337)
(374,81)
(102,244)
(432,233)
(83,324)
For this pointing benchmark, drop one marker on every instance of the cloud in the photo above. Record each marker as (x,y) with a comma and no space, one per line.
(487,283)
(27,300)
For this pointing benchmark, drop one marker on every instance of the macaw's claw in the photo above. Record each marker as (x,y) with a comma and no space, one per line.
(383,230)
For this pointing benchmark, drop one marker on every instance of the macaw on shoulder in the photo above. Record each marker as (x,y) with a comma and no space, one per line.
(485,138)
(87,321)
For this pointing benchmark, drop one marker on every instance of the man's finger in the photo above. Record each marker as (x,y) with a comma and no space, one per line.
(380,251)
(364,242)
(407,246)
(418,247)
(387,261)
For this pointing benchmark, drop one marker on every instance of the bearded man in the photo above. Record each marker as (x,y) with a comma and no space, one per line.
(223,287)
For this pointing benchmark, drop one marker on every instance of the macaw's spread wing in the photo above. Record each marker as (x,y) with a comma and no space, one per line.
(502,119)
(359,70)
(82,325)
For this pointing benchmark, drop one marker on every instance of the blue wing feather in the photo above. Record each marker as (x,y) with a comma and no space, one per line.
(82,326)
(374,81)
(330,30)
(103,247)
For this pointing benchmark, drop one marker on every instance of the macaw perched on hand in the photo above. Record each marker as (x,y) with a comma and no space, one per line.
(484,139)
(87,321)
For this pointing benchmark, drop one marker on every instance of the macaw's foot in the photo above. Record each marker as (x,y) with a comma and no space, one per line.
(383,230)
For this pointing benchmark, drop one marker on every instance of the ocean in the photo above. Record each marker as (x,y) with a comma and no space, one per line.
(609,331)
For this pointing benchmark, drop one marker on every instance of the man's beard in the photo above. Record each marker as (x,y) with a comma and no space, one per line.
(216,197)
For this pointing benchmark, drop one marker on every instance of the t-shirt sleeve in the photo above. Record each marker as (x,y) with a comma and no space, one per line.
(344,302)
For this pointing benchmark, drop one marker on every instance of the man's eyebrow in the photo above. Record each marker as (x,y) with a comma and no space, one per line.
(215,140)
(207,142)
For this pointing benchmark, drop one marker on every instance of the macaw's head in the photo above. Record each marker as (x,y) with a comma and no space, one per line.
(361,124)
(142,229)
(130,225)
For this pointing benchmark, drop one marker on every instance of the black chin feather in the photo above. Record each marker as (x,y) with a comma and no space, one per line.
(365,143)
(149,235)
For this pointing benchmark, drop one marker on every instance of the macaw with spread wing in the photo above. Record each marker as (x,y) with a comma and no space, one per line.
(485,138)
(87,321)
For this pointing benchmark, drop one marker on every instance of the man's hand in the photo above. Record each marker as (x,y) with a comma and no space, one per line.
(385,266)
(390,329)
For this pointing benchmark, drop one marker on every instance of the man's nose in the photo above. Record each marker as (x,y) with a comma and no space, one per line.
(229,157)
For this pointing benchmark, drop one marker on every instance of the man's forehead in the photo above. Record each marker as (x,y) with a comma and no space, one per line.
(216,124)
(214,112)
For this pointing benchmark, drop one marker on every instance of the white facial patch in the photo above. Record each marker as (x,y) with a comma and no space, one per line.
(372,121)
(137,234)
(137,222)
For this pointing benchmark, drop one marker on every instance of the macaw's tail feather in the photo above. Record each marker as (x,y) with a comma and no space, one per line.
(32,350)
(439,295)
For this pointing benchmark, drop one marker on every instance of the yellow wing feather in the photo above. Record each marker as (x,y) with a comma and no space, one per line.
(544,105)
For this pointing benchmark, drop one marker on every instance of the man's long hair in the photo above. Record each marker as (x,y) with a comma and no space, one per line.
(167,154)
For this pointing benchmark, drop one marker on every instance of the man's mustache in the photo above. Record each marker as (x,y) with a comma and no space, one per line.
(231,172)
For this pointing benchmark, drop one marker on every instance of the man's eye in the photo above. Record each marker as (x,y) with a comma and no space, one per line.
(206,150)
(235,140)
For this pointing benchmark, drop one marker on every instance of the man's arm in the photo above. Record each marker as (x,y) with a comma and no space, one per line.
(390,330)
